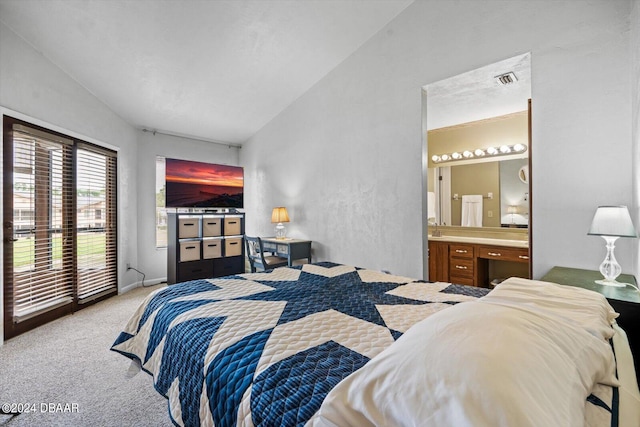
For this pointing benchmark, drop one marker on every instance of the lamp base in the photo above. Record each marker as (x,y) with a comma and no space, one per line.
(613,283)
(281,231)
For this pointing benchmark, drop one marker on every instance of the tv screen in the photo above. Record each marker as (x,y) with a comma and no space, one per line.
(203,185)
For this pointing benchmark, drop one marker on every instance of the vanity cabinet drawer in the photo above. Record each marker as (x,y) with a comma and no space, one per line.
(504,254)
(460,267)
(460,280)
(460,251)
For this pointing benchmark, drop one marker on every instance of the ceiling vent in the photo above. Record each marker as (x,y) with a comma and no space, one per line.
(506,78)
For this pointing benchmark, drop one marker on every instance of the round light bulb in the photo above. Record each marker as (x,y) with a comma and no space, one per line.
(435,158)
(518,147)
(505,149)
(445,157)
(479,152)
(467,154)
(456,155)
(492,150)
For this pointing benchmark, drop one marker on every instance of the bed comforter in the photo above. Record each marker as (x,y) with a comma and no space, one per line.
(265,349)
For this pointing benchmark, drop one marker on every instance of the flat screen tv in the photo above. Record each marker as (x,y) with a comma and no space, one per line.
(192,184)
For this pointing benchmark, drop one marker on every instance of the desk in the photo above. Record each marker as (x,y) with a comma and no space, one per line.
(625,301)
(291,249)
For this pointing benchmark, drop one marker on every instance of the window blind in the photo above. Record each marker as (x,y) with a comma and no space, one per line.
(95,222)
(42,185)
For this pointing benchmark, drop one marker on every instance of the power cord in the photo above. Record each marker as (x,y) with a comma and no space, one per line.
(633,286)
(143,276)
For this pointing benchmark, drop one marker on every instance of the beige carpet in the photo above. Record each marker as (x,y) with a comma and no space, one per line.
(68,361)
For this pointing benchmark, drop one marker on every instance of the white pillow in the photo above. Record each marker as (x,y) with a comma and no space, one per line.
(476,364)
(587,309)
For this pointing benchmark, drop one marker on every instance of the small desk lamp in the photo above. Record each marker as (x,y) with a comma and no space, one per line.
(611,222)
(280,215)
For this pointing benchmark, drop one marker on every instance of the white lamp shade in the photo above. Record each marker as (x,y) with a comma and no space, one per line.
(612,221)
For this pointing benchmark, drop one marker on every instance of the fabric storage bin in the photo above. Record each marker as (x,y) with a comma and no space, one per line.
(232,225)
(211,248)
(190,250)
(188,227)
(233,246)
(211,226)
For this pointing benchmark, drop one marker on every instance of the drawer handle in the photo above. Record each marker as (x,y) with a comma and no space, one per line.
(190,247)
(188,224)
(523,256)
(461,267)
(233,243)
(213,246)
(461,251)
(212,223)
(495,254)
(233,222)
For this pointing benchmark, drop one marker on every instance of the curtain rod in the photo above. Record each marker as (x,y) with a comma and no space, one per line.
(228,144)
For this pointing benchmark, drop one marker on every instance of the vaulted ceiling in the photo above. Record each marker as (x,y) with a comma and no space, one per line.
(217,70)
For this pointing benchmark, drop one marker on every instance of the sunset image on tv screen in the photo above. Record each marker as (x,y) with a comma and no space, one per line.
(197,184)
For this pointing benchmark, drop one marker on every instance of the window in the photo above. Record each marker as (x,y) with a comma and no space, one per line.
(61,256)
(161,211)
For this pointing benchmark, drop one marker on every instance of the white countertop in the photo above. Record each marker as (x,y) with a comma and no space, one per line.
(482,241)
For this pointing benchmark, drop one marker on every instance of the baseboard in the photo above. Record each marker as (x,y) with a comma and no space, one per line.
(138,284)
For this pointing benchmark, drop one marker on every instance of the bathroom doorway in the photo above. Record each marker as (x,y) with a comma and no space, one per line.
(464,118)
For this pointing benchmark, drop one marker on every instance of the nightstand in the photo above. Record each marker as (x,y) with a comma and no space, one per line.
(625,301)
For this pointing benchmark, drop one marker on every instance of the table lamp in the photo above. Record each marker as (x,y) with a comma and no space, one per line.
(279,215)
(611,222)
(512,209)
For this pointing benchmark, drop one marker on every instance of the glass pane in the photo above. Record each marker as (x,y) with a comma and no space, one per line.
(161,212)
(39,280)
(95,247)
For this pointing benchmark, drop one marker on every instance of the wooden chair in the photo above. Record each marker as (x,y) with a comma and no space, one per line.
(257,257)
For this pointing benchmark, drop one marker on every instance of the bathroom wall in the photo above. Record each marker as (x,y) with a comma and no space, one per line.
(479,178)
(493,132)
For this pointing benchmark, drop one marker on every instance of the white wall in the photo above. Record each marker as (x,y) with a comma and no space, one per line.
(635,132)
(153,261)
(35,90)
(346,156)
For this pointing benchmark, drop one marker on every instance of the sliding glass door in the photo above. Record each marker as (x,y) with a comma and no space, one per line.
(59,225)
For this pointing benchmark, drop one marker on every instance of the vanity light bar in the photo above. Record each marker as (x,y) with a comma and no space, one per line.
(479,152)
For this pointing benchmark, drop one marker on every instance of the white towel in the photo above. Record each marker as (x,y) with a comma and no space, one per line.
(431,205)
(472,210)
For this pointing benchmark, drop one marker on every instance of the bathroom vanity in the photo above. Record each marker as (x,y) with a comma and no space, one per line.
(476,261)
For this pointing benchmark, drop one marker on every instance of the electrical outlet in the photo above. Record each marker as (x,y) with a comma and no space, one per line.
(490,214)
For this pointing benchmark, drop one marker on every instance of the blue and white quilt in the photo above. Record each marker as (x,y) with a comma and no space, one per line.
(264,349)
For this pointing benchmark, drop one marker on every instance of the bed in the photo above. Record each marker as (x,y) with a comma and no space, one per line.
(326,344)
